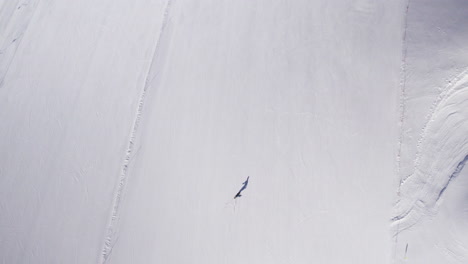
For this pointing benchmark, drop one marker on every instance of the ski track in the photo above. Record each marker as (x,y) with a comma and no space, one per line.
(402,105)
(111,238)
(12,35)
(442,152)
(402,92)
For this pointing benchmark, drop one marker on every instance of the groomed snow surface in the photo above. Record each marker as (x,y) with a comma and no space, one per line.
(127,127)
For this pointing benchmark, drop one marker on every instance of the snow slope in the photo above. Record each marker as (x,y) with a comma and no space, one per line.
(303,97)
(128,126)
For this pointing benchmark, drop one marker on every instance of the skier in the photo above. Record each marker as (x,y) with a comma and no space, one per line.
(243,187)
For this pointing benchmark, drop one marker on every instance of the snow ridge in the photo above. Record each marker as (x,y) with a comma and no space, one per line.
(442,153)
(111,234)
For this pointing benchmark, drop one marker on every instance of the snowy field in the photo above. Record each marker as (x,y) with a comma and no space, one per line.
(127,128)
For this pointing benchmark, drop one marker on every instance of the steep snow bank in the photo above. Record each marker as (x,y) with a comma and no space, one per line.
(442,152)
(433,135)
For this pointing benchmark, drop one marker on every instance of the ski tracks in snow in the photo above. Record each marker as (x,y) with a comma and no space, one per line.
(402,105)
(153,73)
(15,18)
(403,98)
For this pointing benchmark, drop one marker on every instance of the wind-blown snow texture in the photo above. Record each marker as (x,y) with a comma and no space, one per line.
(127,126)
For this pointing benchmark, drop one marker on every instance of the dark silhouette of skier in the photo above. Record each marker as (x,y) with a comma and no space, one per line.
(243,187)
